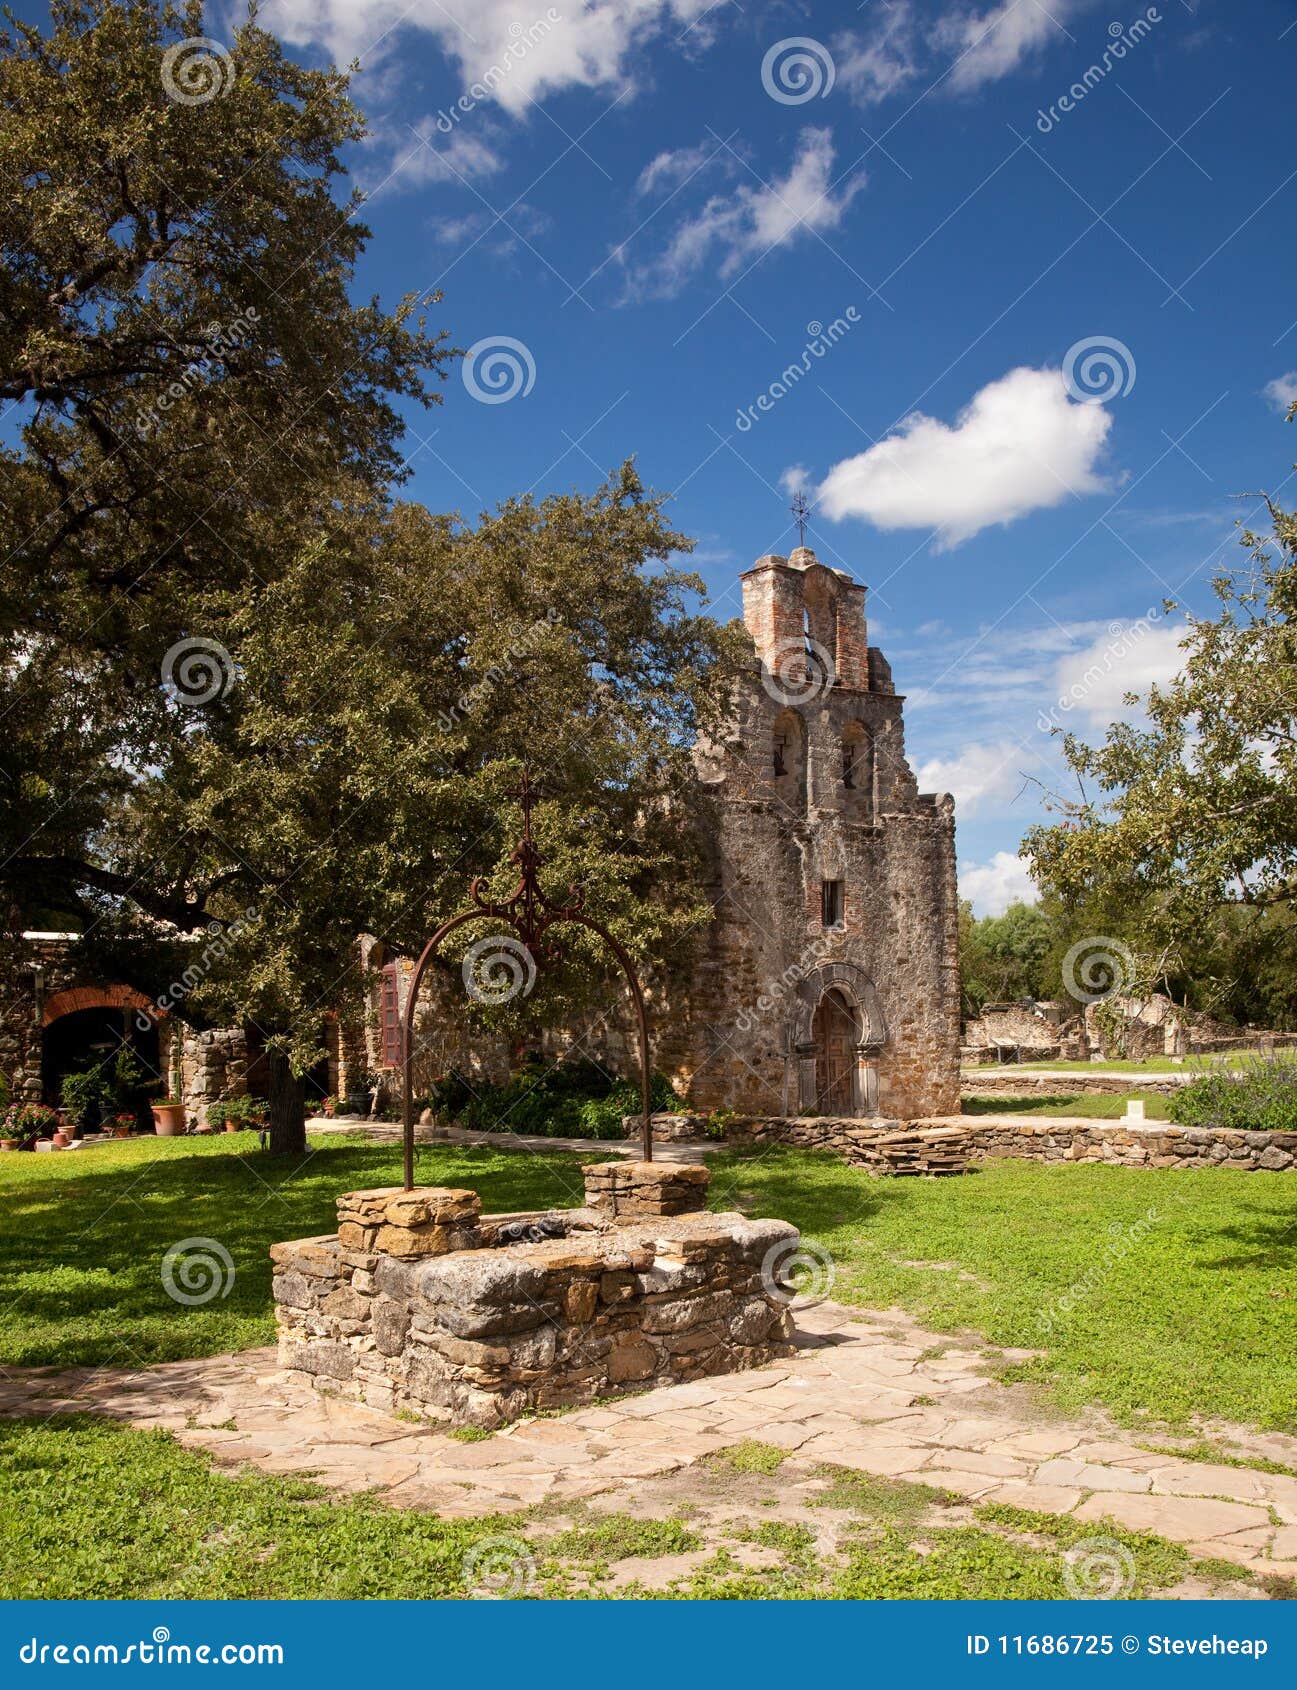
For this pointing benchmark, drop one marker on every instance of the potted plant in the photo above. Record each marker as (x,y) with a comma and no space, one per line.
(119,1126)
(168,1116)
(24,1123)
(82,1096)
(329,1106)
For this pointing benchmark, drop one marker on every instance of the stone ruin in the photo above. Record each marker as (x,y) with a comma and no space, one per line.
(421,1302)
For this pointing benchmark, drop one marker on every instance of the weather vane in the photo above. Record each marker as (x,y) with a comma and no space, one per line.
(801,513)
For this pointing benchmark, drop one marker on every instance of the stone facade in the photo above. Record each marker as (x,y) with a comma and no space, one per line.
(829,980)
(1156,1144)
(421,1302)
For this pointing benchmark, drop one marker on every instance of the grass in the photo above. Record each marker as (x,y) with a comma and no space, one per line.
(1095,1106)
(1160,1294)
(93,1509)
(97,1510)
(752,1456)
(85,1234)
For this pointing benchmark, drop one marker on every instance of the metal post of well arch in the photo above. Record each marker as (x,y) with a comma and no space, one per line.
(529,912)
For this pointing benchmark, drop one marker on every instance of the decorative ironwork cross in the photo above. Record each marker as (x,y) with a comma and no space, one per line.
(531,914)
(801,514)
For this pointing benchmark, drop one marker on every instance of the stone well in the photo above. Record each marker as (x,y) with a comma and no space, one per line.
(421,1302)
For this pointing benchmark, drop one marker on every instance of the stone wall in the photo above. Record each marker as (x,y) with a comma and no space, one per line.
(1156,1144)
(878,1146)
(1009,1081)
(421,1302)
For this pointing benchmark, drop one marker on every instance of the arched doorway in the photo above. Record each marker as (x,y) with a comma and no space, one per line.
(91,1039)
(836,1032)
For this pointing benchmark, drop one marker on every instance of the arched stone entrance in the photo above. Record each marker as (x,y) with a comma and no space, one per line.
(85,1027)
(837,1029)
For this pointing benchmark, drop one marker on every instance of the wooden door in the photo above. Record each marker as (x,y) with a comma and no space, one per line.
(836,1035)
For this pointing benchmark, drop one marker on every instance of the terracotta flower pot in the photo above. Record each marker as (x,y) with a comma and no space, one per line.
(9,1143)
(63,1137)
(168,1119)
(231,1126)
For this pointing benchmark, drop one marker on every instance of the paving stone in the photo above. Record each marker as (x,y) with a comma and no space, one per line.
(1063,1470)
(1183,1519)
(1044,1499)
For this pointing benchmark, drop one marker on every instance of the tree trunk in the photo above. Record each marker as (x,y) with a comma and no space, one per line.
(287,1114)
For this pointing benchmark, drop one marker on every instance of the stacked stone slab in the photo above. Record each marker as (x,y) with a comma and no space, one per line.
(415,1303)
(878,1146)
(638,1189)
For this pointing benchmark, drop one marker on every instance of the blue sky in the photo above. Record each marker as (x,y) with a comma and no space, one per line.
(665,204)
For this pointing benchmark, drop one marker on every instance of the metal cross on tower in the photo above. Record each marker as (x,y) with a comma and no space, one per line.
(801,514)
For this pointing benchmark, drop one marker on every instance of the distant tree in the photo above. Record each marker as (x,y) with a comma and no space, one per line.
(1002,956)
(1189,823)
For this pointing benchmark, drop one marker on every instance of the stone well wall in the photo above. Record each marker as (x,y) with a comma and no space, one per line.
(421,1302)
(1157,1144)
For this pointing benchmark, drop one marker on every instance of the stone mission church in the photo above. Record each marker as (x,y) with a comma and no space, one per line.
(827,984)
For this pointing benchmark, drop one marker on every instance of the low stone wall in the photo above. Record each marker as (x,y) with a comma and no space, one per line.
(421,1302)
(877,1145)
(1157,1144)
(1011,1081)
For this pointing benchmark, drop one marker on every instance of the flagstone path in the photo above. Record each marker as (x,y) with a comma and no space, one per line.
(875,1392)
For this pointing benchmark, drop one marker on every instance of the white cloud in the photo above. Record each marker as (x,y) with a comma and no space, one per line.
(992,887)
(1128,657)
(1020,445)
(736,228)
(991,44)
(675,167)
(981,777)
(873,66)
(518,55)
(1282,391)
(412,156)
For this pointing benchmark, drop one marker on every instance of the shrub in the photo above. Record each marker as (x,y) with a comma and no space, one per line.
(1258,1096)
(574,1099)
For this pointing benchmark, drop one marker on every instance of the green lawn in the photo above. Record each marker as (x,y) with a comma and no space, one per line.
(84,1234)
(1096,1106)
(1186,1302)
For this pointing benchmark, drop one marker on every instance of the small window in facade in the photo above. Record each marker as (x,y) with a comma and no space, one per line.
(781,746)
(849,750)
(831,903)
(390,1017)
